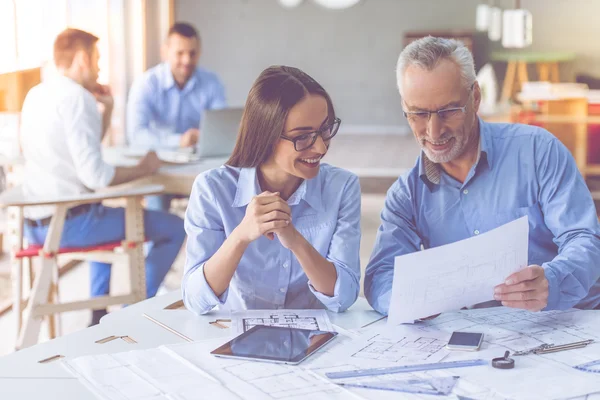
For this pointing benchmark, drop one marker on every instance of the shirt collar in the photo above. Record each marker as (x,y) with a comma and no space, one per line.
(248,187)
(485,142)
(167,81)
(431,172)
(63,79)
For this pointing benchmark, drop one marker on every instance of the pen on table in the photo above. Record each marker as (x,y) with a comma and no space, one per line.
(568,346)
(181,335)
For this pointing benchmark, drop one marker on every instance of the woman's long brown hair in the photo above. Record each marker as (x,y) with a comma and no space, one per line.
(273,94)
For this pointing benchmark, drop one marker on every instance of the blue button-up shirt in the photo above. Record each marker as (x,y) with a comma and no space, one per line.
(325,210)
(157,104)
(521,170)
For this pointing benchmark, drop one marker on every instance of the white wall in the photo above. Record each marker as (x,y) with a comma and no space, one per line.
(352,52)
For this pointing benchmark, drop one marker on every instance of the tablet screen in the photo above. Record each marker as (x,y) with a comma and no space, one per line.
(273,343)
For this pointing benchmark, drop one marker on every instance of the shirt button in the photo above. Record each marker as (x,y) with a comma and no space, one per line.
(285,265)
(476,232)
(282,290)
(466,191)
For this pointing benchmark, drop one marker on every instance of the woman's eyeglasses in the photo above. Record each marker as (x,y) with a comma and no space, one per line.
(306,140)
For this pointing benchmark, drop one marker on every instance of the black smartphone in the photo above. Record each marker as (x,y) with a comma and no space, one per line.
(469,341)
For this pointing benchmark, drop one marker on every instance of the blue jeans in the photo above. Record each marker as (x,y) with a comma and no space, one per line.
(161,202)
(104,225)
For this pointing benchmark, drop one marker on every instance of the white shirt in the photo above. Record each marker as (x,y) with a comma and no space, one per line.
(61,132)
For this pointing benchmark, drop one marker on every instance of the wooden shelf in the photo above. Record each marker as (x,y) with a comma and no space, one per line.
(14,87)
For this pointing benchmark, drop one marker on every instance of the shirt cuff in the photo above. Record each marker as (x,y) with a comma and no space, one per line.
(109,175)
(382,303)
(199,291)
(336,302)
(553,288)
(172,140)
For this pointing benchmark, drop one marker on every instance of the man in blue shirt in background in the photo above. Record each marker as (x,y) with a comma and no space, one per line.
(472,177)
(165,104)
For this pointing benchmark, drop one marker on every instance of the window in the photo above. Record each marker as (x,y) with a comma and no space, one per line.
(28,29)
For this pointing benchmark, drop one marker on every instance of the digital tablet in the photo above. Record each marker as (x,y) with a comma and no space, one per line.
(275,344)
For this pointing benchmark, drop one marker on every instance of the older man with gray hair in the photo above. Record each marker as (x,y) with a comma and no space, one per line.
(474,176)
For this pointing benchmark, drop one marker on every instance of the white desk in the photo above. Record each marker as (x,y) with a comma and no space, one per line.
(24,378)
(176,178)
(358,315)
(42,388)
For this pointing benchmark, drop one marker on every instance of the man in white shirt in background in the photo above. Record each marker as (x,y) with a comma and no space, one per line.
(61,135)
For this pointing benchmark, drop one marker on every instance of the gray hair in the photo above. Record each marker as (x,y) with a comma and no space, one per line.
(427,52)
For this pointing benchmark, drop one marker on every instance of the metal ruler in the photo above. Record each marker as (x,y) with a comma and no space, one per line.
(404,368)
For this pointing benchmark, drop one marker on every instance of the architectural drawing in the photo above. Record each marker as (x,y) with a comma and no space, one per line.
(289,320)
(399,345)
(241,321)
(463,278)
(400,350)
(463,387)
(503,329)
(276,381)
(519,329)
(458,274)
(187,372)
(143,374)
(252,380)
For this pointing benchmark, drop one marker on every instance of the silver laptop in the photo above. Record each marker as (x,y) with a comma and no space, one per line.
(218,132)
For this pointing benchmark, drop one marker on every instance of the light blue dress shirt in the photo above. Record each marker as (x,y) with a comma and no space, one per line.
(522,170)
(158,110)
(325,210)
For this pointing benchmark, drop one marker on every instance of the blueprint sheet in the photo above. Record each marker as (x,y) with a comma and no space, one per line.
(549,376)
(258,380)
(400,345)
(241,321)
(341,357)
(143,375)
(187,371)
(456,275)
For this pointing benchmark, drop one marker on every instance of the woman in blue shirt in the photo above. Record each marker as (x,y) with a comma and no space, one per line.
(275,228)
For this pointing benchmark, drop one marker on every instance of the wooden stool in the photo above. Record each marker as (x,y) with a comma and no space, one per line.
(43,298)
(516,69)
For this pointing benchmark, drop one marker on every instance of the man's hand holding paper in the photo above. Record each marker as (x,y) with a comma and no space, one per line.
(526,289)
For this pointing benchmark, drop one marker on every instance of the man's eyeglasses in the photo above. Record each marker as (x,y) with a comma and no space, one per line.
(306,140)
(449,114)
(446,114)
